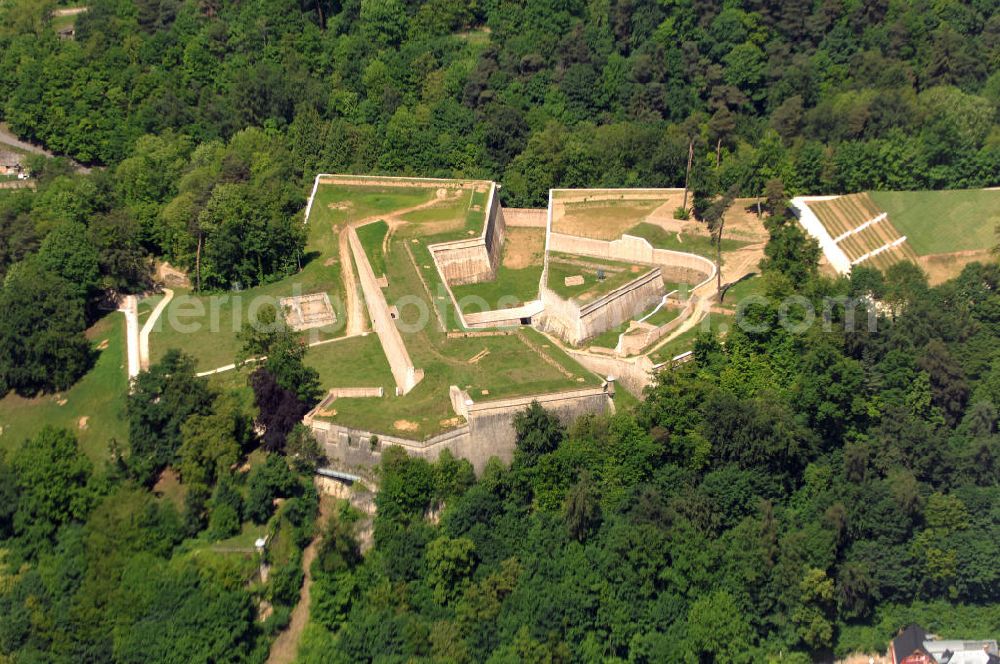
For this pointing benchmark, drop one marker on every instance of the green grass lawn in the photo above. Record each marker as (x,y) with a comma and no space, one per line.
(753,286)
(205,326)
(936,222)
(98,396)
(449,210)
(701,245)
(371,237)
(510,289)
(337,203)
(664,316)
(354,362)
(615,275)
(465,210)
(502,366)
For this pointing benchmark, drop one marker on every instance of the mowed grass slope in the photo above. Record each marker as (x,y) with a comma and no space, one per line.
(599,276)
(690,243)
(937,222)
(99,396)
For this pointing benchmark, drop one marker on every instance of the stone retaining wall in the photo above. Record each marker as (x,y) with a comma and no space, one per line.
(525,217)
(403,371)
(473,260)
(356,392)
(576,323)
(676,265)
(634,373)
(489,432)
(632,344)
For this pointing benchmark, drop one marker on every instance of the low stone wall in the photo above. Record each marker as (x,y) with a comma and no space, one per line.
(489,432)
(473,260)
(634,373)
(676,265)
(576,323)
(403,371)
(632,344)
(525,217)
(503,317)
(356,392)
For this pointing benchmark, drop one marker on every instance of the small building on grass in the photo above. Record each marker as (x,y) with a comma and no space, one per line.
(11,164)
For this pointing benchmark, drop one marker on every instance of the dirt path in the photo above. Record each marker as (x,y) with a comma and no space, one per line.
(286,647)
(356,322)
(8,138)
(353,306)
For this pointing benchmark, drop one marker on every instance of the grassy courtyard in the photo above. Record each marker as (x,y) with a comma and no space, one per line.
(599,276)
(92,409)
(937,222)
(496,366)
(205,325)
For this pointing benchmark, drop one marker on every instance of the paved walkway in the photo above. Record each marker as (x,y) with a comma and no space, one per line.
(129,307)
(148,327)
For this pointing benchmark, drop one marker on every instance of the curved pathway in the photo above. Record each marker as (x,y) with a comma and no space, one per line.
(148,327)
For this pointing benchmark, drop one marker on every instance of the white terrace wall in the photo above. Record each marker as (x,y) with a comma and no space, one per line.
(472,260)
(811,223)
(676,265)
(403,371)
(489,432)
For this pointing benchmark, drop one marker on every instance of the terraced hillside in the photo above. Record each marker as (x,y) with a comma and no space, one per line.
(863,231)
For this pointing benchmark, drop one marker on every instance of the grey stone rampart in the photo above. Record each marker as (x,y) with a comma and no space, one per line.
(489,432)
(576,323)
(403,371)
(473,260)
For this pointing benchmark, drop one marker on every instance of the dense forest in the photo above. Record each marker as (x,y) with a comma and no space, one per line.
(830,95)
(787,496)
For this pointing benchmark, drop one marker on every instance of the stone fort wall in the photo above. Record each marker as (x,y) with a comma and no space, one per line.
(403,371)
(472,260)
(488,433)
(576,323)
(676,265)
